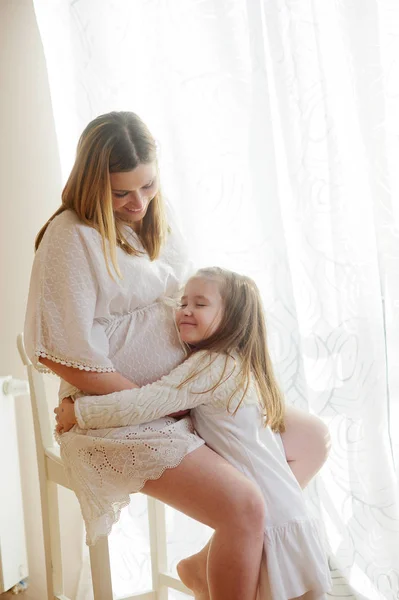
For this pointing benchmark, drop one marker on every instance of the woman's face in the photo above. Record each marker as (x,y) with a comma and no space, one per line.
(132,191)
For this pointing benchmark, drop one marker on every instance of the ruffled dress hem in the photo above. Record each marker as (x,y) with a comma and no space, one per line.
(289,549)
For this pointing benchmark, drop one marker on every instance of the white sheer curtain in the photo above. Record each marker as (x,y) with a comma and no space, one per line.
(278,125)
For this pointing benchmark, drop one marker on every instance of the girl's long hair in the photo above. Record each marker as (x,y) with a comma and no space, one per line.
(111,143)
(242,331)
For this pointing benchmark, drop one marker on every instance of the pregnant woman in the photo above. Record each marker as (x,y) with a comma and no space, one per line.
(98,316)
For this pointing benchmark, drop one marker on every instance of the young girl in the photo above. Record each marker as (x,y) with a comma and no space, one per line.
(237,408)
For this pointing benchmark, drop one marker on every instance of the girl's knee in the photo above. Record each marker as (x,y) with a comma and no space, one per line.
(320,440)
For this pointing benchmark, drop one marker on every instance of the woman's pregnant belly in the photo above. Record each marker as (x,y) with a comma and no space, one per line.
(144,345)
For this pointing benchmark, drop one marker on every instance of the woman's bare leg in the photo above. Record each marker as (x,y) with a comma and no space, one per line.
(207,488)
(306,442)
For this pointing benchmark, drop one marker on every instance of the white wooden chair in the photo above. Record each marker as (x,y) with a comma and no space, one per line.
(51,474)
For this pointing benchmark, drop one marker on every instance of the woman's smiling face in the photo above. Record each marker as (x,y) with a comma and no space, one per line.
(132,191)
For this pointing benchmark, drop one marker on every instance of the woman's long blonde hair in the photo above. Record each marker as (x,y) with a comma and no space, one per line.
(111,143)
(242,331)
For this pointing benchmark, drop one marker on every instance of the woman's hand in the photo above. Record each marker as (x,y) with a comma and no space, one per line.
(65,416)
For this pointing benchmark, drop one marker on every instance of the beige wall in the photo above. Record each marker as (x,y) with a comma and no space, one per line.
(30,186)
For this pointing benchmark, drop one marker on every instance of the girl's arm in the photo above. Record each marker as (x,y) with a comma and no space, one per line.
(156,400)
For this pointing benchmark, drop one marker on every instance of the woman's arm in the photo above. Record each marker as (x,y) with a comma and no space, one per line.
(90,382)
(60,322)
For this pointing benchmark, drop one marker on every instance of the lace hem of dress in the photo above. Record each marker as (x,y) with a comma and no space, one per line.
(69,363)
(102,525)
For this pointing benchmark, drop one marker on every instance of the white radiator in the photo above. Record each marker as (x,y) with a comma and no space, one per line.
(13,559)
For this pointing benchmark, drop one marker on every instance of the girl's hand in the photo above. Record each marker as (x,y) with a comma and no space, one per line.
(65,416)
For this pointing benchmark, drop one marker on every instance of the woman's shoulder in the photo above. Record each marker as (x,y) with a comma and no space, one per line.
(67,227)
(68,220)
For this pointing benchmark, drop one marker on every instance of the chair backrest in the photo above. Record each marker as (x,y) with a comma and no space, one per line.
(40,409)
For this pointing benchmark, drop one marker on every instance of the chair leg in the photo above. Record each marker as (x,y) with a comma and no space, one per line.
(159,558)
(55,539)
(101,570)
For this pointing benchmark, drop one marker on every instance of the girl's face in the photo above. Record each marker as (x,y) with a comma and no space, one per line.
(132,191)
(200,311)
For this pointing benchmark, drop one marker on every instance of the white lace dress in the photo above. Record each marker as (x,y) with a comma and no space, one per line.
(78,316)
(294,560)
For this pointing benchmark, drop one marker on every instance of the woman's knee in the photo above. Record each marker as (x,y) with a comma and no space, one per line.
(246,508)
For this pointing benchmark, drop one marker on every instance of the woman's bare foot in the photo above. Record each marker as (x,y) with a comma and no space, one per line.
(192,572)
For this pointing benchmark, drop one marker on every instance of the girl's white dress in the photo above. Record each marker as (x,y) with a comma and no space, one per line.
(294,560)
(78,316)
